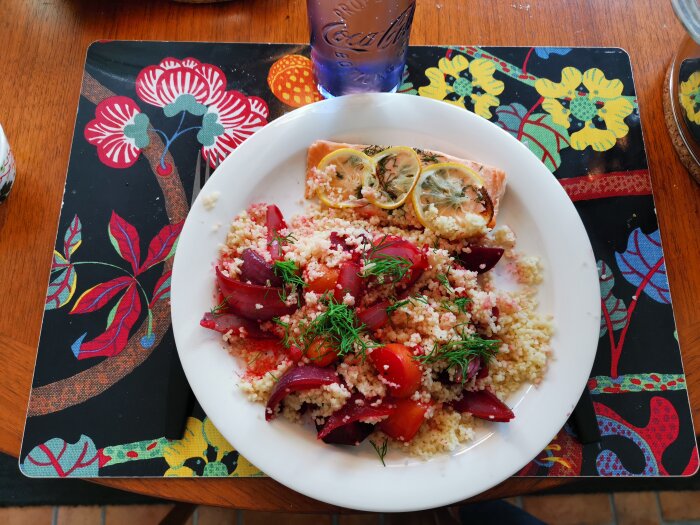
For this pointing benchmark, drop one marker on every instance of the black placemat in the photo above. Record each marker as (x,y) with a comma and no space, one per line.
(109,397)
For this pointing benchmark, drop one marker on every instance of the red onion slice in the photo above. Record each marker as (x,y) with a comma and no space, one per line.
(295,380)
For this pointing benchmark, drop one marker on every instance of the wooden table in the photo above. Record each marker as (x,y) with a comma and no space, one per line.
(42,49)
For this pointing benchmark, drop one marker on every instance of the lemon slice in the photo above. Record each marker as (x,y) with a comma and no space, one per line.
(451,200)
(343,172)
(396,172)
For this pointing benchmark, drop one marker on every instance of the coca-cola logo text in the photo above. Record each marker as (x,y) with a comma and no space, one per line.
(337,35)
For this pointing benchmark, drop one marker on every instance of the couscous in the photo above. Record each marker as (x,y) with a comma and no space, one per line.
(369,326)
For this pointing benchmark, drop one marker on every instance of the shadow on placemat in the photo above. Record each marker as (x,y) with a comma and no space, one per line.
(17,491)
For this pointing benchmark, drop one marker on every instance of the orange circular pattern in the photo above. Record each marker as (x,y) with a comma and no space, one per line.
(291,80)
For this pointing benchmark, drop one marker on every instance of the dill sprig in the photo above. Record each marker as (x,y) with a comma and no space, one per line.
(288,271)
(459,352)
(219,308)
(386,268)
(457,306)
(415,298)
(286,339)
(282,239)
(339,327)
(445,282)
(381,450)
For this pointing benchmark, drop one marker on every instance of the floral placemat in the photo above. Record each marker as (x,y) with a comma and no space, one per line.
(109,397)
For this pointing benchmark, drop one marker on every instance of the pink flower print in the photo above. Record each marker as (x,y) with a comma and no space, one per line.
(119,131)
(228,122)
(181,85)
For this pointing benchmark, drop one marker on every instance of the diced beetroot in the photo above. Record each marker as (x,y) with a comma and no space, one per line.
(243,299)
(349,281)
(485,405)
(296,380)
(352,434)
(352,412)
(481,258)
(274,220)
(375,316)
(257,270)
(224,323)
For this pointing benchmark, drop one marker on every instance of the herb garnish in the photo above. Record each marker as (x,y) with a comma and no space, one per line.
(381,450)
(283,239)
(219,308)
(384,267)
(339,327)
(458,353)
(373,150)
(285,326)
(417,298)
(288,271)
(457,306)
(445,282)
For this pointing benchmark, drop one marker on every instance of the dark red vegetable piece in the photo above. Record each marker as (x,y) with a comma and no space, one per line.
(352,434)
(349,281)
(351,412)
(393,246)
(274,220)
(481,258)
(485,405)
(375,316)
(243,299)
(257,270)
(483,370)
(295,380)
(224,323)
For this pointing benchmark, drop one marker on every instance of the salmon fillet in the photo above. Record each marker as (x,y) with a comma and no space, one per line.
(494,179)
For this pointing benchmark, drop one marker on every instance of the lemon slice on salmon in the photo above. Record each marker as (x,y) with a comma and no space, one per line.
(342,172)
(396,172)
(451,200)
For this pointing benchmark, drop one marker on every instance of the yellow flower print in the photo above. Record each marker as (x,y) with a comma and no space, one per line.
(690,97)
(589,105)
(462,83)
(203,451)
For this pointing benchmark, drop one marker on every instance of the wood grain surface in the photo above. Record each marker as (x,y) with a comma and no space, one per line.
(42,50)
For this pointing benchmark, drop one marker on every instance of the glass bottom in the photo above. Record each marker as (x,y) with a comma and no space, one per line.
(327,94)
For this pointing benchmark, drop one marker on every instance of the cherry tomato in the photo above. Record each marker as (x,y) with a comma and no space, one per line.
(320,353)
(324,282)
(404,422)
(395,363)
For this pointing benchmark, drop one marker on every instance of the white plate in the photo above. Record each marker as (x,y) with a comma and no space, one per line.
(269,167)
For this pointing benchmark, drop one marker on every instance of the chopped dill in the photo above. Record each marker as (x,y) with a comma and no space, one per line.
(384,267)
(393,307)
(283,239)
(381,450)
(257,356)
(445,282)
(288,271)
(420,298)
(457,306)
(387,268)
(274,377)
(219,308)
(459,352)
(339,327)
(286,340)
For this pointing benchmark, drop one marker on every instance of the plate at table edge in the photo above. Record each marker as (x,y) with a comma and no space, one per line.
(269,167)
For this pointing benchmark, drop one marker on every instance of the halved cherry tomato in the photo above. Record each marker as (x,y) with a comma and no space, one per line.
(395,363)
(320,353)
(324,282)
(403,424)
(294,353)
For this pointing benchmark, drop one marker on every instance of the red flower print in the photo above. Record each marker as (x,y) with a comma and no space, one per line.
(228,122)
(119,130)
(164,84)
